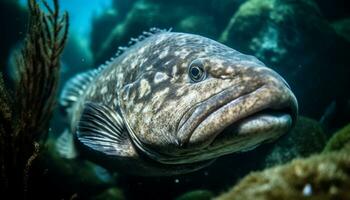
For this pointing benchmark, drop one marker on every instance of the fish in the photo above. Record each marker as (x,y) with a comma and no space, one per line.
(171,103)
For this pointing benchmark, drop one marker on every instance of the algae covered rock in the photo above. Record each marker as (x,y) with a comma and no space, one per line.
(271,29)
(339,139)
(306,138)
(109,194)
(144,15)
(342,27)
(205,17)
(325,176)
(293,38)
(196,195)
(335,9)
(140,17)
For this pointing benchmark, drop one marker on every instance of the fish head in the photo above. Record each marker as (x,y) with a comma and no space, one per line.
(201,99)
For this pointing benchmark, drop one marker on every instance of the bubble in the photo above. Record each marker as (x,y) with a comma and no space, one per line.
(307,191)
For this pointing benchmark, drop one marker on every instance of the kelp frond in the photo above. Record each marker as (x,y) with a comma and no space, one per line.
(26,111)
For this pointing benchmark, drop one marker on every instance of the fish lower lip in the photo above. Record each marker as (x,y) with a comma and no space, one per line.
(191,120)
(267,124)
(258,122)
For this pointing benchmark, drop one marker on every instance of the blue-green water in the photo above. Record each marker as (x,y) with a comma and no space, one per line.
(81,14)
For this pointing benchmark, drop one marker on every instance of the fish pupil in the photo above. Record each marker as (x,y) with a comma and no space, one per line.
(196,73)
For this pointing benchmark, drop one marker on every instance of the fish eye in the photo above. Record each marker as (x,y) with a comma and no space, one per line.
(196,71)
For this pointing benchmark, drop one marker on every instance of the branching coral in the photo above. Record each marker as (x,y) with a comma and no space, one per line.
(26,110)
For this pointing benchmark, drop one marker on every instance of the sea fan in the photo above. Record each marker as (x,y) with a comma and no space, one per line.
(26,110)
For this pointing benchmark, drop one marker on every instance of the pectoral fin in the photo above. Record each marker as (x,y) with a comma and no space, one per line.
(102,129)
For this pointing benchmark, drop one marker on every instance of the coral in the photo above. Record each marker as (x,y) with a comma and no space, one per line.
(196,195)
(339,139)
(306,138)
(325,176)
(26,110)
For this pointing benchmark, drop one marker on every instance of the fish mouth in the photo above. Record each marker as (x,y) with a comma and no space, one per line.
(233,122)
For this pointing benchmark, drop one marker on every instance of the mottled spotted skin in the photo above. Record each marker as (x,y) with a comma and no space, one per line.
(174,121)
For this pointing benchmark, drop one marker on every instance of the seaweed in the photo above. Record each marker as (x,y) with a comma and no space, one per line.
(26,109)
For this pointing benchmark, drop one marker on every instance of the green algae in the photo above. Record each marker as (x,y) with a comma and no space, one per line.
(339,139)
(342,27)
(196,195)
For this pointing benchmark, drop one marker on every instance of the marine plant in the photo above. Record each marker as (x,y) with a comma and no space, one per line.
(26,108)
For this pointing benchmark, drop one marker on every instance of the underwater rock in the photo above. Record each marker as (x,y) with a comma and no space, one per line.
(286,35)
(109,194)
(196,195)
(221,12)
(335,9)
(197,24)
(339,139)
(142,16)
(335,116)
(306,138)
(325,176)
(342,27)
(271,29)
(205,18)
(103,24)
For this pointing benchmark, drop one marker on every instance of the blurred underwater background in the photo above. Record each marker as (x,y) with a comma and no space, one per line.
(306,41)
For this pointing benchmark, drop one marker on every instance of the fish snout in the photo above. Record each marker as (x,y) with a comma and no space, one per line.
(278,93)
(257,107)
(261,108)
